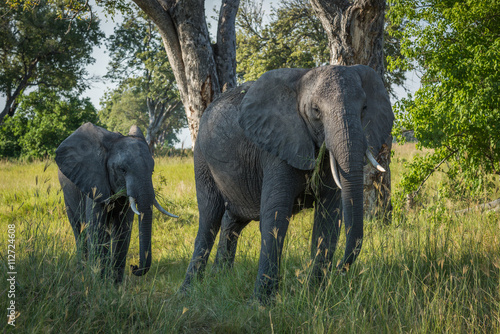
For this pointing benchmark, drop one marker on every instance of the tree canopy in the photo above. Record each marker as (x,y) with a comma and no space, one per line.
(455,45)
(41,47)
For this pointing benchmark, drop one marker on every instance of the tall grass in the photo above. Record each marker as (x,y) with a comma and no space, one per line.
(433,271)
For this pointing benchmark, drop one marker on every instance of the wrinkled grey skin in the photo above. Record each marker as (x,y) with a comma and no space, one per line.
(94,164)
(256,149)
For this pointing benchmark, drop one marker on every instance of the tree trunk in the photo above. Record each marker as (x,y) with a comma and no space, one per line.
(355,36)
(355,31)
(201,71)
(11,103)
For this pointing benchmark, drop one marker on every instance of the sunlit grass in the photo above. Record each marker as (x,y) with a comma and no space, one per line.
(433,271)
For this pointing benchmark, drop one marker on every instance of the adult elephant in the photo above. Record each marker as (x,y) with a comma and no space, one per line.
(102,175)
(256,151)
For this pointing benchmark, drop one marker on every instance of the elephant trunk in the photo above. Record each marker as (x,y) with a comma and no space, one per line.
(352,207)
(349,152)
(143,192)
(144,210)
(145,223)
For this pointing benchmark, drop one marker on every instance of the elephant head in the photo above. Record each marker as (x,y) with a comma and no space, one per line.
(291,112)
(103,165)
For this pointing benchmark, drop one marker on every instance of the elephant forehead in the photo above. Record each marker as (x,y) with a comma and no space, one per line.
(341,85)
(131,153)
(331,86)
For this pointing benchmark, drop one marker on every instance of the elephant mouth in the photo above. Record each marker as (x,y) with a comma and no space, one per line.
(157,205)
(335,172)
(133,203)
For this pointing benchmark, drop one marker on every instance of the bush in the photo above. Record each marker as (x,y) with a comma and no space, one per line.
(43,120)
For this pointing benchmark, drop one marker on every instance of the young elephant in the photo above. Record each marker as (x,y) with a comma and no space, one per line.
(102,175)
(257,148)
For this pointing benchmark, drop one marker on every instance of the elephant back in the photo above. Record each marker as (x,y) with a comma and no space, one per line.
(220,118)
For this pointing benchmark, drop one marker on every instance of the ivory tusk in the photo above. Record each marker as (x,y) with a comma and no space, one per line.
(335,173)
(373,161)
(162,210)
(133,206)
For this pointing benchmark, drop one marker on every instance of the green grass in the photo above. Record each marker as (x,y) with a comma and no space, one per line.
(433,271)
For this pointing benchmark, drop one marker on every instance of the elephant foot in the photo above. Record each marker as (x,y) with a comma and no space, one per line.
(118,276)
(320,272)
(185,287)
(221,267)
(183,291)
(266,291)
(264,299)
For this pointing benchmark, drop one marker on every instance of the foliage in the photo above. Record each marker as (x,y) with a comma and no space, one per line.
(456,112)
(146,82)
(294,37)
(393,76)
(126,105)
(43,120)
(435,273)
(76,9)
(41,47)
(121,108)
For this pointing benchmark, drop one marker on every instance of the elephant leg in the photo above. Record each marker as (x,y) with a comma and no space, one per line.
(74,202)
(228,240)
(122,228)
(211,209)
(98,237)
(278,194)
(76,218)
(326,229)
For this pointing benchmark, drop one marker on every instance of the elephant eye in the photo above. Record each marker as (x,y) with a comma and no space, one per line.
(316,111)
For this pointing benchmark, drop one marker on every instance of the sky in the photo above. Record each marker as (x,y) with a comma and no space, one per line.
(98,69)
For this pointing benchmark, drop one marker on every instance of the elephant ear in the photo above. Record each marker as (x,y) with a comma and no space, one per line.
(135,131)
(82,159)
(270,119)
(378,117)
